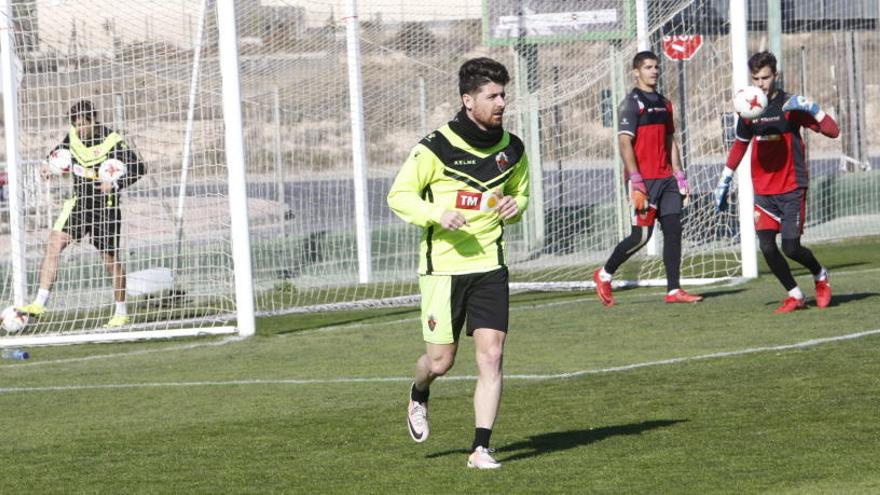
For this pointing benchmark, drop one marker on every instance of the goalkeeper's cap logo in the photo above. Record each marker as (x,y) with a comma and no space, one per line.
(432,322)
(502,161)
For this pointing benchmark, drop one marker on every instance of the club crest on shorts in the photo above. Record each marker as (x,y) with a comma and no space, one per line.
(502,161)
(432,322)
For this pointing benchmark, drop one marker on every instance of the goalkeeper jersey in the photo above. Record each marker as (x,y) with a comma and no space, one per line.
(444,173)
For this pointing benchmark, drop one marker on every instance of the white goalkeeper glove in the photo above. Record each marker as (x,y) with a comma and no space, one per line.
(723,189)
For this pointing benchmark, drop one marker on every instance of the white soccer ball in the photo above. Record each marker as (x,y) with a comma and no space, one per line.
(60,161)
(750,102)
(13,321)
(111,170)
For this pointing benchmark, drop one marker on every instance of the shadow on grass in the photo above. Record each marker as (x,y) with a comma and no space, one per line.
(836,300)
(556,441)
(718,293)
(839,299)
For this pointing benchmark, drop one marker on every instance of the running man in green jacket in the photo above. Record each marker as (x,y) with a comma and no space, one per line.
(462,184)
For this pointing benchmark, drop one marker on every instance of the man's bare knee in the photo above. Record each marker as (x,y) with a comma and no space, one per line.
(440,365)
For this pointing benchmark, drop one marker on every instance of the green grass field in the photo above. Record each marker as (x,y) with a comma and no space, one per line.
(654,398)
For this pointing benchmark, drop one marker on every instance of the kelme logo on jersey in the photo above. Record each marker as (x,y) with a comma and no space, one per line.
(432,322)
(464,162)
(502,161)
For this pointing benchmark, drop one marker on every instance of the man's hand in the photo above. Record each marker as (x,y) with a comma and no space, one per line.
(683,188)
(723,189)
(507,208)
(803,104)
(105,187)
(452,220)
(638,192)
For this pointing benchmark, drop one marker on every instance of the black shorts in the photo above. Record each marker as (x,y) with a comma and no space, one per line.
(782,213)
(93,217)
(663,194)
(664,199)
(481,299)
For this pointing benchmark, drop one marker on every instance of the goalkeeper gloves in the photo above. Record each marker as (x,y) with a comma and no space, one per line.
(803,104)
(683,189)
(638,192)
(723,189)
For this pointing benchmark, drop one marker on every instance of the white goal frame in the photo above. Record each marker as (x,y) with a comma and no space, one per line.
(236,166)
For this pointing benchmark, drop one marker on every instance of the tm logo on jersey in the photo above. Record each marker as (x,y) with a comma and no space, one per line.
(467,200)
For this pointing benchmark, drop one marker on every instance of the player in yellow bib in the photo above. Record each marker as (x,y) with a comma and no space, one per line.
(93,206)
(462,184)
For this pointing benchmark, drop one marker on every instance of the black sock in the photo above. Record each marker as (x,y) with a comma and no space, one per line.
(481,438)
(418,395)
(775,261)
(626,248)
(671,225)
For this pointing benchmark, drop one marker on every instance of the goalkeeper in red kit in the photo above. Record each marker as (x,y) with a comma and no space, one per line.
(658,187)
(780,177)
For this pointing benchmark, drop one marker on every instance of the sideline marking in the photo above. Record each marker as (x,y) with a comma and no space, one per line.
(555,376)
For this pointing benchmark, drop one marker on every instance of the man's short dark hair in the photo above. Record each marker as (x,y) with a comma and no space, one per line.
(84,109)
(762,59)
(642,56)
(479,71)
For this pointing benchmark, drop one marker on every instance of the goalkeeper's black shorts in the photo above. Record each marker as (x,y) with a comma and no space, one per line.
(96,216)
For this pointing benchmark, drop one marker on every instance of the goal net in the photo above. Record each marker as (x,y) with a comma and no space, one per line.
(153,72)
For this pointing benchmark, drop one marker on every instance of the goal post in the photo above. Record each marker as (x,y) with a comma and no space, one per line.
(331,99)
(184,239)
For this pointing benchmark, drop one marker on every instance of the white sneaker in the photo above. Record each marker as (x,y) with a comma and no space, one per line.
(417,421)
(481,459)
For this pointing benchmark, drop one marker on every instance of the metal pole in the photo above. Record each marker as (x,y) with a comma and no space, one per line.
(358,143)
(617,95)
(13,159)
(423,108)
(745,190)
(774,33)
(187,138)
(642,25)
(280,194)
(683,120)
(236,165)
(557,142)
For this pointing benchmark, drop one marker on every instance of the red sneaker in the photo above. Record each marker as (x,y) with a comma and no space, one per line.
(681,296)
(823,293)
(790,304)
(603,289)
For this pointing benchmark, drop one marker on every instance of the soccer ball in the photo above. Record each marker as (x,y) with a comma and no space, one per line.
(111,170)
(60,161)
(750,102)
(13,321)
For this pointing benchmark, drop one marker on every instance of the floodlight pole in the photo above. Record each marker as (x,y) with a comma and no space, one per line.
(746,192)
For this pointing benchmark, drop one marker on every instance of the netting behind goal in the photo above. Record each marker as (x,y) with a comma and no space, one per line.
(137,63)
